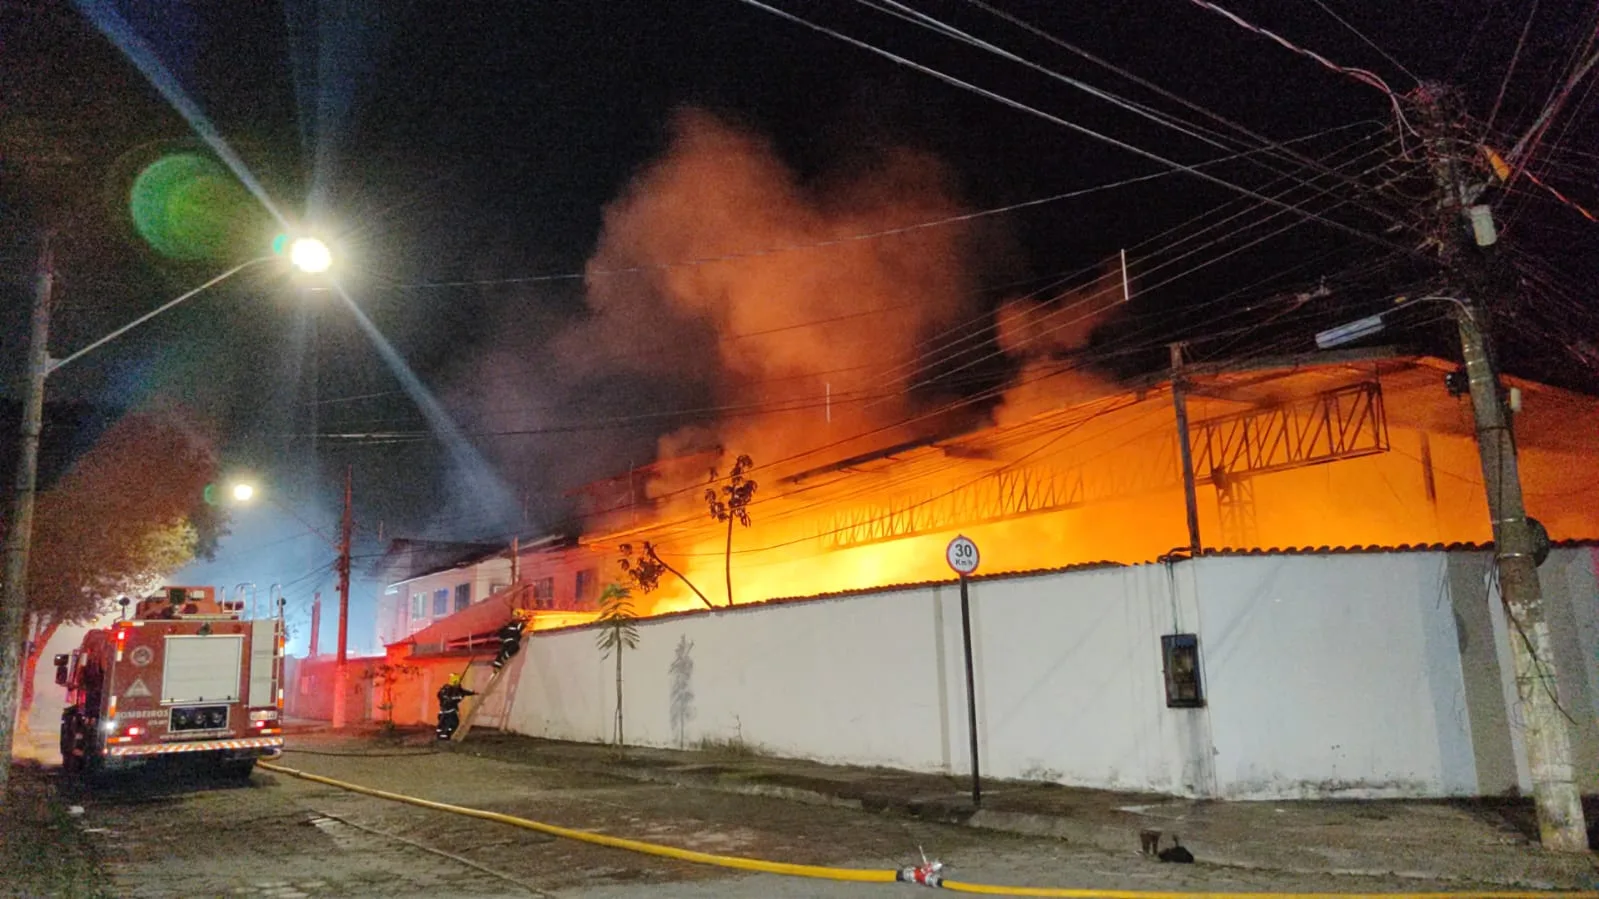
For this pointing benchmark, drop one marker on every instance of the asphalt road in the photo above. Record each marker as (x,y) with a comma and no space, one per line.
(280,836)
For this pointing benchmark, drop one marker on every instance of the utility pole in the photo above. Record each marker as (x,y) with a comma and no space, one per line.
(341,682)
(316,624)
(1467,263)
(19,533)
(1185,449)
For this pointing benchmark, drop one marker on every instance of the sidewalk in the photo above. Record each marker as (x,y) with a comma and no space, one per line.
(1482,841)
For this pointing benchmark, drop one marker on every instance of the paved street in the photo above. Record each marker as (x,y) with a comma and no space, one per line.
(281,836)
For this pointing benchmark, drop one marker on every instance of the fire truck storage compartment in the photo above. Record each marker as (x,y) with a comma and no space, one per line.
(263,650)
(202,669)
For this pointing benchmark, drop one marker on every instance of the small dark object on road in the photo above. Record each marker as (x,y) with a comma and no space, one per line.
(1176,853)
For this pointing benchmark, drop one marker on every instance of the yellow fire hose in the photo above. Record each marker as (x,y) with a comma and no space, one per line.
(858,875)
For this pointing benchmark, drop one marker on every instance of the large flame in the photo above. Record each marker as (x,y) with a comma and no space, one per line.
(813,340)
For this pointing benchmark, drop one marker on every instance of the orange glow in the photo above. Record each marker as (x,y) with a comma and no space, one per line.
(1118,496)
(547,619)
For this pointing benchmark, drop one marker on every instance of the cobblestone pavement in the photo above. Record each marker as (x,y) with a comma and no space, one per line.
(280,836)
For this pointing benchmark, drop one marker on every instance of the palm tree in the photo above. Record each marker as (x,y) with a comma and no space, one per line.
(617,632)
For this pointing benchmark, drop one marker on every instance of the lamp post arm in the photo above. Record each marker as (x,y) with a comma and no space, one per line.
(57,363)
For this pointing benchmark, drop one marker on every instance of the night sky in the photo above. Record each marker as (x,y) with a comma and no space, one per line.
(462,158)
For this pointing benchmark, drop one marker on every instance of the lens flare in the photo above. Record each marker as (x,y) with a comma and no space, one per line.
(188,207)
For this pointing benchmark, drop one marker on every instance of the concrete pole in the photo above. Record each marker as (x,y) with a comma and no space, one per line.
(1185,449)
(341,672)
(1548,740)
(316,625)
(19,534)
(1561,827)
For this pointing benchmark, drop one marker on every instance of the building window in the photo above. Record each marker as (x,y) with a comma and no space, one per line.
(441,602)
(1180,654)
(463,596)
(544,593)
(497,587)
(419,606)
(586,586)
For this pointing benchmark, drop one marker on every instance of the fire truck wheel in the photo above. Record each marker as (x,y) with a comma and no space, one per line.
(79,754)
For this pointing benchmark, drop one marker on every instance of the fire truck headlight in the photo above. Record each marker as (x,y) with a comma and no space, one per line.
(216,718)
(180,718)
(110,725)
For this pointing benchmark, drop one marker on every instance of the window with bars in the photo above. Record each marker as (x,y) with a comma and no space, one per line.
(441,601)
(586,586)
(463,596)
(419,606)
(544,593)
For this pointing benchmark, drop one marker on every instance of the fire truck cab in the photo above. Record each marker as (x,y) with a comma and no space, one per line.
(186,675)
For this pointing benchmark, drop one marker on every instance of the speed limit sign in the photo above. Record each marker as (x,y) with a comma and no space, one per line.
(962,555)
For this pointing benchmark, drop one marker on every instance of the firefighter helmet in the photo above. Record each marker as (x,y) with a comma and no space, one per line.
(522,614)
(455,680)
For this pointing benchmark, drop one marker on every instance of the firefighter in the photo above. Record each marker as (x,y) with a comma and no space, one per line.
(450,696)
(511,637)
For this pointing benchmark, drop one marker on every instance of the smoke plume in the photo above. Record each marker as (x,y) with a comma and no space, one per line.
(781,296)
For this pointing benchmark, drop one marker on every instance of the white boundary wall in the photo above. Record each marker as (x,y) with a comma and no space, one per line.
(1334,675)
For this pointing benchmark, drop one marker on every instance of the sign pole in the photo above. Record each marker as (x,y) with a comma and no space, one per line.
(962,556)
(971,691)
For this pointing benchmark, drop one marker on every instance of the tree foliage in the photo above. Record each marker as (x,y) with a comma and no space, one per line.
(729,504)
(131,511)
(645,568)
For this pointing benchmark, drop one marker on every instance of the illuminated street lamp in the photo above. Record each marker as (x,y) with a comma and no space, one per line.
(310,255)
(305,253)
(243,493)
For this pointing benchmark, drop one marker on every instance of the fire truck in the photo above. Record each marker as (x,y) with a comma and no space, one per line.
(185,676)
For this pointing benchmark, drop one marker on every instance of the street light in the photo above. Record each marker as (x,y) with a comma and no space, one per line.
(306,254)
(310,255)
(243,493)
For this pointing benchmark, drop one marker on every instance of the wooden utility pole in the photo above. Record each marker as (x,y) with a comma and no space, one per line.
(1185,449)
(19,534)
(341,676)
(1466,236)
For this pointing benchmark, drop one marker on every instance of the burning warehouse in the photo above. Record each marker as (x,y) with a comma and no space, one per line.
(1301,606)
(1363,452)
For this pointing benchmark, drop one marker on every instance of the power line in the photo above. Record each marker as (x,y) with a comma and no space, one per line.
(904,12)
(845,398)
(878,234)
(1065,123)
(1369,42)
(1361,75)
(1282,148)
(1510,71)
